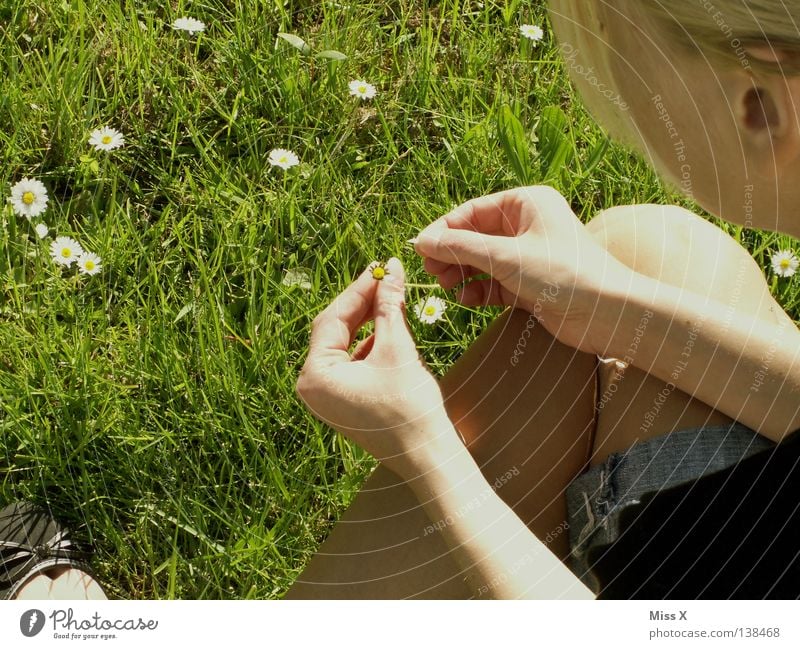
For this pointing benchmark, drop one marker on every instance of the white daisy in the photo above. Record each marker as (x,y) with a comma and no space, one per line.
(89,263)
(65,250)
(362,89)
(283,158)
(29,197)
(41,230)
(191,25)
(106,139)
(430,309)
(533,32)
(785,263)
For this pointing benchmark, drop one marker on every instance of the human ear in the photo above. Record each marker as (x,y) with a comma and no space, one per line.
(766,108)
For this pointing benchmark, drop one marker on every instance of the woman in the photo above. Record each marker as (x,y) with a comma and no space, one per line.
(558,444)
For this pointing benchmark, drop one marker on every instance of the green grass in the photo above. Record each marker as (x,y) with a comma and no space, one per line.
(152,406)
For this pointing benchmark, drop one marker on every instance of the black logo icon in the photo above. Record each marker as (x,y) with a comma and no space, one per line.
(31,622)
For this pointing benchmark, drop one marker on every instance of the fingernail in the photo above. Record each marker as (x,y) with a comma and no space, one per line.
(429,234)
(425,244)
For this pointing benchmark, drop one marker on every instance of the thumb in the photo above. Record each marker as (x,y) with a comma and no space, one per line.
(462,247)
(392,336)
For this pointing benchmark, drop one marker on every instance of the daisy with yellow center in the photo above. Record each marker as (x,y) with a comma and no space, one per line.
(785,263)
(106,139)
(29,197)
(89,263)
(283,158)
(430,310)
(65,250)
(379,270)
(532,32)
(362,89)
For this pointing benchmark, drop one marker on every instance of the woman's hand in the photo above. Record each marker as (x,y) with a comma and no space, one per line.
(538,254)
(382,396)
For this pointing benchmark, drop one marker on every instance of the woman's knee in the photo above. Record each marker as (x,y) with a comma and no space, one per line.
(678,247)
(662,240)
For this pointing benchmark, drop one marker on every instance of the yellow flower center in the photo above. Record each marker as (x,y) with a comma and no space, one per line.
(378,272)
(28,198)
(784,263)
(430,310)
(283,159)
(66,253)
(106,139)
(362,89)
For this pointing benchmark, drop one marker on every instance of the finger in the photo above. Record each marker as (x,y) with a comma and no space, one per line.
(485,292)
(506,213)
(363,348)
(392,336)
(465,248)
(509,212)
(455,275)
(434,267)
(334,329)
(491,214)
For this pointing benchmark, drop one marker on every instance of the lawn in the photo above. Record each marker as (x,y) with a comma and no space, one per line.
(152,405)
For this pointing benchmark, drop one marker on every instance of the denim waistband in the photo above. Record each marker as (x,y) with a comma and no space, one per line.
(596,497)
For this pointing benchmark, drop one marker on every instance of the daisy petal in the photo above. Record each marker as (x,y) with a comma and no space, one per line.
(89,263)
(190,25)
(362,89)
(283,158)
(784,263)
(533,32)
(29,198)
(430,310)
(65,251)
(106,139)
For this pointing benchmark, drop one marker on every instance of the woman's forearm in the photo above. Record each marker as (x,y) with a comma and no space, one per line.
(500,557)
(743,366)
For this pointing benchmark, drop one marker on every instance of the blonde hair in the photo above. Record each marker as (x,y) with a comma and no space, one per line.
(579,25)
(721,30)
(726,29)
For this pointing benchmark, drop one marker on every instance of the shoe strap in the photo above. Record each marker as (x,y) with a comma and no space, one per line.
(16,558)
